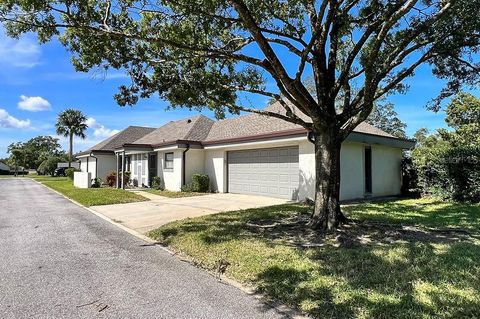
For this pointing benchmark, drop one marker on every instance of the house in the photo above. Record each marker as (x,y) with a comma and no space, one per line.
(72,165)
(4,167)
(255,154)
(100,159)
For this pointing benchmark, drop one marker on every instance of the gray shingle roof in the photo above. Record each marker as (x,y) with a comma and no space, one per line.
(256,124)
(128,135)
(189,129)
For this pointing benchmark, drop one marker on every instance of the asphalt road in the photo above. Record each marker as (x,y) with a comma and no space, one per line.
(58,260)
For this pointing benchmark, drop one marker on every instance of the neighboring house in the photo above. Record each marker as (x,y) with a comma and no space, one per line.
(4,167)
(100,159)
(255,154)
(65,164)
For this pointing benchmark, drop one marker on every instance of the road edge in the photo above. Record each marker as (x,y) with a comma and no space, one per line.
(281,308)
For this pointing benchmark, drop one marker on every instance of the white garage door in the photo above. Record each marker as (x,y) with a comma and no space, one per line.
(269,171)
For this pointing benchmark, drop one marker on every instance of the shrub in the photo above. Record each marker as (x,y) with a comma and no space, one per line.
(127,177)
(111,179)
(97,182)
(410,186)
(69,172)
(157,183)
(460,173)
(48,166)
(187,188)
(4,172)
(200,183)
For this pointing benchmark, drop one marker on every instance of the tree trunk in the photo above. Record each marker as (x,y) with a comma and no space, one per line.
(70,151)
(327,215)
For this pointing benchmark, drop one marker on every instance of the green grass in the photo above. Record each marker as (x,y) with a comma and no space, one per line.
(171,194)
(427,212)
(371,269)
(90,196)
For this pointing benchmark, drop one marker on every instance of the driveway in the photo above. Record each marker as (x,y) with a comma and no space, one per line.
(57,260)
(145,216)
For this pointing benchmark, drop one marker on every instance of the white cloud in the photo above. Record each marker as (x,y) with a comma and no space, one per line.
(100,131)
(21,53)
(91,122)
(33,103)
(8,121)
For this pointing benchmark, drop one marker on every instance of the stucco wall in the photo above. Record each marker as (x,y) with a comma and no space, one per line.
(386,172)
(106,163)
(172,178)
(386,178)
(195,163)
(352,182)
(215,168)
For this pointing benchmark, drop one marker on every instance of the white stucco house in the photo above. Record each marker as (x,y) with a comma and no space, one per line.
(101,159)
(255,154)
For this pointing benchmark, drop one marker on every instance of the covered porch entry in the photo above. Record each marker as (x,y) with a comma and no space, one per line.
(139,166)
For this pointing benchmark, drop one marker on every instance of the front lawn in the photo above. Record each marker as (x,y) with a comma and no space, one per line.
(390,263)
(171,194)
(90,196)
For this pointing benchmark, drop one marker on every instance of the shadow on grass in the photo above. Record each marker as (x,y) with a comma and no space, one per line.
(368,270)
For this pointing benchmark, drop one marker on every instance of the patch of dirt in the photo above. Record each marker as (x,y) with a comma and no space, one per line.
(293,231)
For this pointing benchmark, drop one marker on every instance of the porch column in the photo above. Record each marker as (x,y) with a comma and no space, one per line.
(123,170)
(117,182)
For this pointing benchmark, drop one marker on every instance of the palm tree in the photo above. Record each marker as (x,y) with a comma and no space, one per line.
(71,123)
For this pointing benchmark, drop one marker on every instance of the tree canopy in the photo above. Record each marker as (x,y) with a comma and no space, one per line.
(215,53)
(200,53)
(386,118)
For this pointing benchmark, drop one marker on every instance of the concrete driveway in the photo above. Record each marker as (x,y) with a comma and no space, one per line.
(58,260)
(145,216)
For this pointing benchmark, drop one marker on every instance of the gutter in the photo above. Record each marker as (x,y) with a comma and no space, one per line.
(183,164)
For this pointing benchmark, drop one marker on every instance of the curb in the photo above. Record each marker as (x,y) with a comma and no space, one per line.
(281,308)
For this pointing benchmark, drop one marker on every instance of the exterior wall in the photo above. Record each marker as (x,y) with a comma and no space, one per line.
(352,182)
(106,163)
(195,163)
(386,170)
(386,174)
(172,178)
(216,169)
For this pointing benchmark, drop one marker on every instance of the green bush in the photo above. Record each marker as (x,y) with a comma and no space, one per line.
(48,166)
(157,183)
(459,174)
(69,172)
(4,172)
(200,183)
(410,183)
(187,188)
(111,178)
(97,182)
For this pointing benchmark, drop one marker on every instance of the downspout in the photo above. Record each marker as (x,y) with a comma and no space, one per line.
(184,165)
(96,164)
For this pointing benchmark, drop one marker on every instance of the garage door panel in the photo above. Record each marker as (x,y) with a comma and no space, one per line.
(270,172)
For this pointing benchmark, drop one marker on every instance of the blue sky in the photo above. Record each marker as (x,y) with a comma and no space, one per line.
(37,82)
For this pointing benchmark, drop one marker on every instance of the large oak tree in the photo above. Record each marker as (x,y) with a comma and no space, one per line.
(204,53)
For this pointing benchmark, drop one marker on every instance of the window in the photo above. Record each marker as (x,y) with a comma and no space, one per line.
(169,160)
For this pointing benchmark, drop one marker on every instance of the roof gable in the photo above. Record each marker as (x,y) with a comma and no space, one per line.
(190,129)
